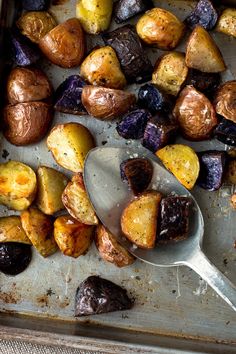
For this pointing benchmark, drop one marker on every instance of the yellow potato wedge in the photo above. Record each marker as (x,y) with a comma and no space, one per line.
(18,185)
(230,175)
(72,237)
(11,230)
(51,184)
(69,144)
(227,22)
(110,249)
(77,203)
(140,218)
(39,229)
(182,161)
(202,53)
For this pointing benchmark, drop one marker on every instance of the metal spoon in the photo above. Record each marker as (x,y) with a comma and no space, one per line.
(109,195)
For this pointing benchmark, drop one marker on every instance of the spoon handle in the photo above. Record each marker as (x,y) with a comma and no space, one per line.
(217,280)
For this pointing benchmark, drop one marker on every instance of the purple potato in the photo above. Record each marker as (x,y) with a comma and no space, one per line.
(204,82)
(24,52)
(226,132)
(153,99)
(133,124)
(14,257)
(125,9)
(35,5)
(204,14)
(68,96)
(212,165)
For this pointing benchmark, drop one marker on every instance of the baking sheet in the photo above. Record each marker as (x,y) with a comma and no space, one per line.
(170,301)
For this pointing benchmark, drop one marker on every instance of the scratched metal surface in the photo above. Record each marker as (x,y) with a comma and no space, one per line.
(173,301)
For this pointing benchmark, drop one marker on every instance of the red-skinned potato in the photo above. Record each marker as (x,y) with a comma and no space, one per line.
(65,44)
(225,100)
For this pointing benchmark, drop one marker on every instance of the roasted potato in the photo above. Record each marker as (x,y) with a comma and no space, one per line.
(204,14)
(225,100)
(125,9)
(204,82)
(139,219)
(27,123)
(39,229)
(35,5)
(182,161)
(195,114)
(72,237)
(11,230)
(69,144)
(102,68)
(160,28)
(65,44)
(110,249)
(77,203)
(154,99)
(14,257)
(24,52)
(51,184)
(94,15)
(226,132)
(104,103)
(170,73)
(230,175)
(18,185)
(233,202)
(27,85)
(133,124)
(227,22)
(36,24)
(202,53)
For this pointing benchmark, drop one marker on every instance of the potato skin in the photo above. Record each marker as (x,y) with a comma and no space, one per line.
(227,22)
(11,230)
(65,44)
(160,28)
(104,103)
(27,85)
(225,100)
(27,123)
(110,250)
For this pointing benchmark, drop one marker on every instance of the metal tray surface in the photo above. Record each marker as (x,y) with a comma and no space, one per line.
(173,302)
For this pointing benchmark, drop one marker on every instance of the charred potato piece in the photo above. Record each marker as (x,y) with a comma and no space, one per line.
(230,175)
(160,28)
(195,114)
(110,249)
(35,5)
(153,99)
(227,22)
(14,257)
(138,173)
(18,185)
(133,124)
(51,184)
(11,230)
(27,85)
(182,161)
(233,204)
(231,153)
(170,73)
(226,132)
(36,24)
(134,61)
(69,144)
(104,103)
(204,82)
(77,203)
(102,68)
(65,44)
(202,53)
(94,15)
(39,229)
(72,237)
(225,100)
(125,9)
(24,52)
(204,14)
(140,218)
(96,295)
(27,123)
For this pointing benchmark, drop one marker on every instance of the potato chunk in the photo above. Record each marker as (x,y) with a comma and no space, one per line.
(77,203)
(39,229)
(225,100)
(17,185)
(73,238)
(11,230)
(227,22)
(140,218)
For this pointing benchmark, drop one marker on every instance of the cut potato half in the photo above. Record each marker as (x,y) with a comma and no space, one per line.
(11,230)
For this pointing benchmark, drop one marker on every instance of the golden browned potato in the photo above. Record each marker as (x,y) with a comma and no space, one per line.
(227,22)
(104,103)
(170,72)
(230,175)
(65,44)
(94,15)
(72,237)
(18,185)
(139,220)
(195,114)
(51,184)
(77,203)
(160,28)
(233,203)
(39,229)
(69,144)
(202,53)
(11,230)
(27,123)
(110,249)
(225,100)
(36,24)
(27,85)
(102,68)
